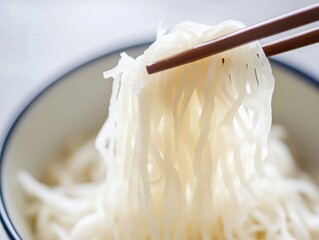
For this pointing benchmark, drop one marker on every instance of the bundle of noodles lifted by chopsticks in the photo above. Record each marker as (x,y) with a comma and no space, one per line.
(184,154)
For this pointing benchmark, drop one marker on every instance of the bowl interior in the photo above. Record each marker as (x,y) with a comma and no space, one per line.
(78,102)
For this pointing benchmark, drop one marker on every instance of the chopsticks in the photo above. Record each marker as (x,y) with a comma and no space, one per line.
(264,29)
(289,43)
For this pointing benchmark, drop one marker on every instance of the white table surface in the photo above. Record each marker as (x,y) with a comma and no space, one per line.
(41,40)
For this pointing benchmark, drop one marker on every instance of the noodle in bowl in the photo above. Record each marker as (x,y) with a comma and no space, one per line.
(60,112)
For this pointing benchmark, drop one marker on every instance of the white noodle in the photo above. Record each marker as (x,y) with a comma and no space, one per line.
(184,154)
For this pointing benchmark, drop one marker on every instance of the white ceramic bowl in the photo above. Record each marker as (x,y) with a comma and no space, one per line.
(77,103)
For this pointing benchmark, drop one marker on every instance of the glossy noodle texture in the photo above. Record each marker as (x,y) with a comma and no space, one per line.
(184,154)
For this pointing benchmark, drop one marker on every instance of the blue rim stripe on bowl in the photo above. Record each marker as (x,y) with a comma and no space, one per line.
(4,216)
(306,76)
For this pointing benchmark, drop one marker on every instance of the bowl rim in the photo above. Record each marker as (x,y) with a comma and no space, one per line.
(5,219)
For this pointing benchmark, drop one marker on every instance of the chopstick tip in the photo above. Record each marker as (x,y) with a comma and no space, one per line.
(150,68)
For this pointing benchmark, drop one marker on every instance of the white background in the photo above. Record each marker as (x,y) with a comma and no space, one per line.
(41,40)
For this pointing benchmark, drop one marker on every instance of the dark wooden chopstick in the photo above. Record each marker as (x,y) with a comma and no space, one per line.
(265,29)
(293,42)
